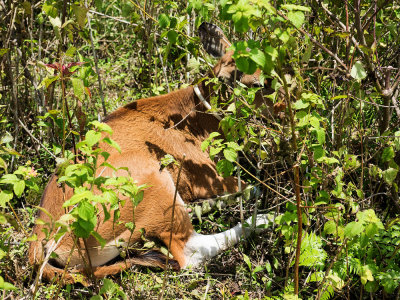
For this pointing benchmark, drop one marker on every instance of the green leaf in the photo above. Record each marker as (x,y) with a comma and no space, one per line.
(79,88)
(390,175)
(369,216)
(6,138)
(47,81)
(340,97)
(56,22)
(92,137)
(19,187)
(86,210)
(319,152)
(131,226)
(138,198)
(230,154)
(6,285)
(80,14)
(296,17)
(163,21)
(387,154)
(103,127)
(296,7)
(397,140)
(172,36)
(258,57)
(108,286)
(214,134)
(242,64)
(320,135)
(71,51)
(389,280)
(111,197)
(2,254)
(9,179)
(371,230)
(234,146)
(366,274)
(351,161)
(330,227)
(3,51)
(112,143)
(214,151)
(358,71)
(241,22)
(205,144)
(198,212)
(300,104)
(167,160)
(353,228)
(371,286)
(49,9)
(312,254)
(77,198)
(5,197)
(98,237)
(247,261)
(84,228)
(225,167)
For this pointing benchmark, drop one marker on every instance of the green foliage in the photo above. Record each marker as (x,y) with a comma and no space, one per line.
(110,290)
(339,84)
(312,254)
(83,207)
(12,187)
(229,149)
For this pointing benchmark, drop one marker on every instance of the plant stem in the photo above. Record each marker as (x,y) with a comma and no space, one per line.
(161,295)
(296,187)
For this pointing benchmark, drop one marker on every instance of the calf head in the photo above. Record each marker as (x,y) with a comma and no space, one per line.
(216,44)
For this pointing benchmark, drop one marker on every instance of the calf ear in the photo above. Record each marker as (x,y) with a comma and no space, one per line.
(213,39)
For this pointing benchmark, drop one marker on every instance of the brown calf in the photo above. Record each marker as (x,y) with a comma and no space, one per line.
(146,130)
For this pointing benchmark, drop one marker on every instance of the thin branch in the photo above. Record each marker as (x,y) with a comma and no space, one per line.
(296,188)
(264,184)
(357,21)
(35,139)
(113,18)
(394,101)
(366,24)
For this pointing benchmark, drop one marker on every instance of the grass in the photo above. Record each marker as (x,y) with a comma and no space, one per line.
(226,276)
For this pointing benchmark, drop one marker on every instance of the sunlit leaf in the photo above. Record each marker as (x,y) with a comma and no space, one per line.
(163,21)
(358,71)
(296,17)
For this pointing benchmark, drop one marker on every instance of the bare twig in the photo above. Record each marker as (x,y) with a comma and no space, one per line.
(266,185)
(163,66)
(111,17)
(366,24)
(35,139)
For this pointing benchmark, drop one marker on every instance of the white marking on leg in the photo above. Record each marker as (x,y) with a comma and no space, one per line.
(200,247)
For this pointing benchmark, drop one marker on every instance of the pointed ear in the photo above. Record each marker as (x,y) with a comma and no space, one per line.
(213,39)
